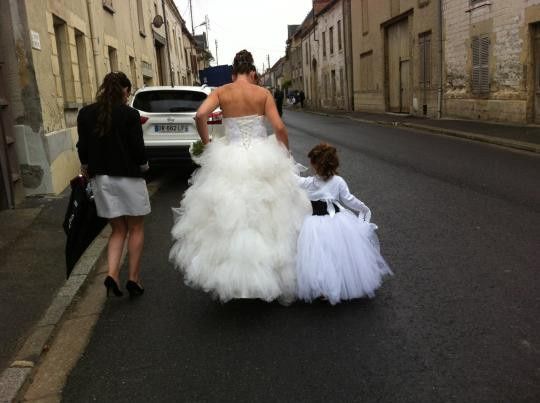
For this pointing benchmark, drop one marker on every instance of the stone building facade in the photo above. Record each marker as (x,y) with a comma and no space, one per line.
(396,56)
(330,66)
(318,54)
(492,54)
(58,53)
(294,58)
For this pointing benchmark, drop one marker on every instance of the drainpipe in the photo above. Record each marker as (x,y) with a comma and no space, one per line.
(166,25)
(441,57)
(92,38)
(314,74)
(349,60)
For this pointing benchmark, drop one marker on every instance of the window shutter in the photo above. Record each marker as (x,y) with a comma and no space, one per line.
(427,56)
(422,59)
(480,62)
(484,64)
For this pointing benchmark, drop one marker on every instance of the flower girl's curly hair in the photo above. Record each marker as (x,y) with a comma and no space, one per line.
(324,159)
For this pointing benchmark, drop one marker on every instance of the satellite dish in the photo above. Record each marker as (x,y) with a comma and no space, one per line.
(158,21)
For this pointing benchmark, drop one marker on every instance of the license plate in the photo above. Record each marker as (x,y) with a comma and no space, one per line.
(171,128)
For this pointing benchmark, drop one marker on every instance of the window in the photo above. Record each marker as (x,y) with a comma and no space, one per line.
(366,72)
(64,60)
(339,40)
(424,55)
(168,101)
(480,64)
(174,38)
(324,43)
(140,14)
(341,82)
(333,79)
(365,19)
(331,39)
(113,59)
(133,73)
(82,62)
(326,85)
(307,56)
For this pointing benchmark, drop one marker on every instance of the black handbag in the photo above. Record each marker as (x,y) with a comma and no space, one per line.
(81,222)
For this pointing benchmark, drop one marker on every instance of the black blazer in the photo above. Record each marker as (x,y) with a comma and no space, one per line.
(117,153)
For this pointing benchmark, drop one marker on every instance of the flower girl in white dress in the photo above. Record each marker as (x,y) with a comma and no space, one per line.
(338,255)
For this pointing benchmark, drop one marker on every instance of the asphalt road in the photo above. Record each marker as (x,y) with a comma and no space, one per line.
(459,223)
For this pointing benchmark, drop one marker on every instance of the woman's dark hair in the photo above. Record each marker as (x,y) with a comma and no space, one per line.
(110,94)
(324,159)
(243,63)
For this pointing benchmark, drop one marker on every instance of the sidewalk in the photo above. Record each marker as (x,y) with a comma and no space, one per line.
(521,137)
(34,292)
(32,267)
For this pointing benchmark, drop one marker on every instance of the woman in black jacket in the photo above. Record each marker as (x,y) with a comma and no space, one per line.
(112,154)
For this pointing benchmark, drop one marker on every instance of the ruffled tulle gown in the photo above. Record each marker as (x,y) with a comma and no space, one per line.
(338,252)
(237,225)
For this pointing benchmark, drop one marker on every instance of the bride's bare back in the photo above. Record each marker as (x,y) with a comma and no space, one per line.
(241,98)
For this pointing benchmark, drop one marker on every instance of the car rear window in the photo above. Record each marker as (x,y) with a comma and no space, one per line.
(168,101)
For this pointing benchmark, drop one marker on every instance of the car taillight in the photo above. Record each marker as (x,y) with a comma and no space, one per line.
(215,118)
(144,119)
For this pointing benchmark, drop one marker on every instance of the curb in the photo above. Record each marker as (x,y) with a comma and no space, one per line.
(499,141)
(14,378)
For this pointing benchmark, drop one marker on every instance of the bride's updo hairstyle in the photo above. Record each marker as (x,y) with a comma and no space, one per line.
(324,159)
(243,63)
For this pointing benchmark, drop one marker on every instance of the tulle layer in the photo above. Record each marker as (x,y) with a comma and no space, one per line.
(339,258)
(238,222)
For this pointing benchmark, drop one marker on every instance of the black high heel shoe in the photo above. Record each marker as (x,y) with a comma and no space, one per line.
(134,289)
(110,284)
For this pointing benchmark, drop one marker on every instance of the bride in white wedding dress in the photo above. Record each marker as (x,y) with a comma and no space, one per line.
(239,220)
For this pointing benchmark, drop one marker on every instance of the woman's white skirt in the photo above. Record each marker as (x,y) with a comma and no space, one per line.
(117,196)
(338,258)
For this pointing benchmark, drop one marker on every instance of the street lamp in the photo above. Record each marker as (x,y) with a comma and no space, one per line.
(200,25)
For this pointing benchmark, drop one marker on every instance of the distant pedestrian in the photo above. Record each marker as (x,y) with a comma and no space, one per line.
(278,96)
(112,154)
(338,255)
(302,97)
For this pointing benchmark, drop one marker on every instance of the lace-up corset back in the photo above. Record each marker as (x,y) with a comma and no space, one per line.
(243,130)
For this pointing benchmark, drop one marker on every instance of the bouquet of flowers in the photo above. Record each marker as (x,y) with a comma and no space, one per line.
(196,149)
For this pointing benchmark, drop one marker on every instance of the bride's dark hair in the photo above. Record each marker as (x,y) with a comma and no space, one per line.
(243,63)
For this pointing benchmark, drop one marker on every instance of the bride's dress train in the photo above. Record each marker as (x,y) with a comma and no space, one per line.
(238,222)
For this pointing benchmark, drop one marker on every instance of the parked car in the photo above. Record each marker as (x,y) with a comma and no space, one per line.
(167,117)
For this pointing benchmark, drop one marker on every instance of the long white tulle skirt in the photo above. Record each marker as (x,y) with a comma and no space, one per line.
(339,258)
(238,222)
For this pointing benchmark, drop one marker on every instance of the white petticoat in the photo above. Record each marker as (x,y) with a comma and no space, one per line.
(339,258)
(238,222)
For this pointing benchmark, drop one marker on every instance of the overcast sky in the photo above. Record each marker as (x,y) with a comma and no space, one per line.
(259,26)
